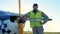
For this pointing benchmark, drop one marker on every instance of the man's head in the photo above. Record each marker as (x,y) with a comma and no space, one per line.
(35,6)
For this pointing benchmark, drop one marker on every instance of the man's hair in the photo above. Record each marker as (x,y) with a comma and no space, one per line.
(35,4)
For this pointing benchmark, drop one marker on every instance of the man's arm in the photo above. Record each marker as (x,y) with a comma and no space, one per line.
(24,18)
(45,18)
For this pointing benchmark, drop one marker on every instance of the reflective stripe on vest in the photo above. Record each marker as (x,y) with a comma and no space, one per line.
(35,19)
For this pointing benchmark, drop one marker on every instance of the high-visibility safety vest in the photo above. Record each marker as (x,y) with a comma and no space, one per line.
(35,19)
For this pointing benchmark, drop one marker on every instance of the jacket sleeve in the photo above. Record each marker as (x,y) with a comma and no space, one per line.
(45,18)
(24,18)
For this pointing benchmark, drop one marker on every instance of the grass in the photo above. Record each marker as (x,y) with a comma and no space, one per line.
(44,32)
(52,33)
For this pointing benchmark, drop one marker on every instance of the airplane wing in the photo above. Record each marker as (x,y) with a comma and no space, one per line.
(4,15)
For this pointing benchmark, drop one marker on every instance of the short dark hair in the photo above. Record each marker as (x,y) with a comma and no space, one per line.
(35,4)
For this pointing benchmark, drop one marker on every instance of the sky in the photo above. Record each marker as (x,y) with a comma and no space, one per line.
(49,7)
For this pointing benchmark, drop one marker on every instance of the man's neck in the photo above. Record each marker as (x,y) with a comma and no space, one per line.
(34,11)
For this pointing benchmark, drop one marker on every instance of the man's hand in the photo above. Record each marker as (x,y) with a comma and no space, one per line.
(24,19)
(49,19)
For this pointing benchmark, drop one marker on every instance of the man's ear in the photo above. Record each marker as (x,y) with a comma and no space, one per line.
(13,18)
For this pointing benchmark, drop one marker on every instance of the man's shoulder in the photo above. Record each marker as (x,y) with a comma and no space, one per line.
(40,11)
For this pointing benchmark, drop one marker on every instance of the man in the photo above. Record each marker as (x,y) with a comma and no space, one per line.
(37,19)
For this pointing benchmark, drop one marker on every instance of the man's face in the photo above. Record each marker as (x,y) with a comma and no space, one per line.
(35,7)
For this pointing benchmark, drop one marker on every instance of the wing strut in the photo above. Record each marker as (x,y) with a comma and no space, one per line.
(20,25)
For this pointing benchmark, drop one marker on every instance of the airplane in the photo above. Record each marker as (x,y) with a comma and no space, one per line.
(5,16)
